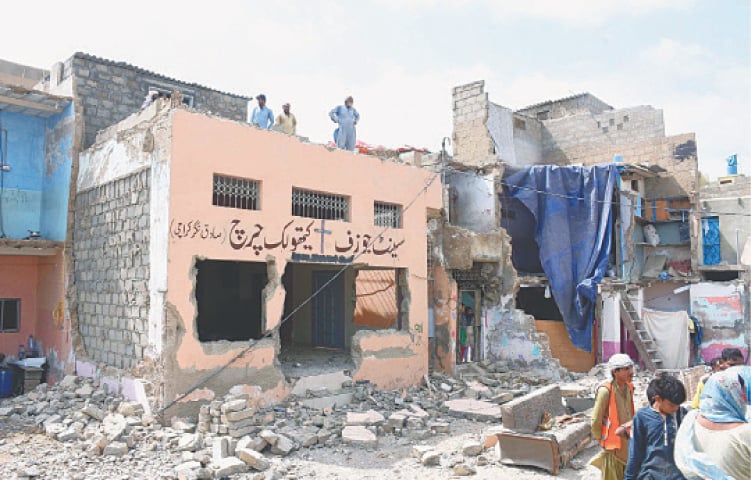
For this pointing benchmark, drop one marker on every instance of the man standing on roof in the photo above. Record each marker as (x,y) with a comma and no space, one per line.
(347,117)
(262,115)
(286,121)
(611,417)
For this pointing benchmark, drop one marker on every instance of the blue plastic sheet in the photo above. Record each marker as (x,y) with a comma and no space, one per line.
(572,207)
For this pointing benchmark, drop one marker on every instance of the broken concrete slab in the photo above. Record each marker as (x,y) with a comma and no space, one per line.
(330,401)
(253,459)
(474,409)
(359,436)
(228,466)
(574,390)
(371,417)
(328,381)
(524,414)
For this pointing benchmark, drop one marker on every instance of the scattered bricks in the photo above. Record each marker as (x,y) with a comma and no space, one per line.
(115,449)
(130,409)
(305,436)
(397,420)
(269,437)
(189,442)
(257,444)
(440,427)
(472,448)
(418,412)
(359,436)
(234,406)
(192,470)
(323,435)
(114,426)
(463,470)
(54,429)
(67,435)
(371,417)
(85,391)
(284,446)
(94,412)
(236,416)
(524,413)
(431,459)
(474,409)
(68,382)
(253,459)
(228,466)
(418,451)
(413,422)
(220,448)
(6,411)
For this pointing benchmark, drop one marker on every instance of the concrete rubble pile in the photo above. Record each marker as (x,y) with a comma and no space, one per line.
(229,436)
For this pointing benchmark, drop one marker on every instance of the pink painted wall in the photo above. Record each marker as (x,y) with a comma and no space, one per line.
(53,325)
(39,283)
(203,146)
(18,279)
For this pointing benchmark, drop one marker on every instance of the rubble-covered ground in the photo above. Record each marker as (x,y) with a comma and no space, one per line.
(76,430)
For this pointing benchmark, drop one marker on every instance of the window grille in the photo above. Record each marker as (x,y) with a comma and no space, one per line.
(387,215)
(10,314)
(326,206)
(234,192)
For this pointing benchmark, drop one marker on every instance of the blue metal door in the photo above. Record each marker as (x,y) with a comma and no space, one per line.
(328,310)
(710,227)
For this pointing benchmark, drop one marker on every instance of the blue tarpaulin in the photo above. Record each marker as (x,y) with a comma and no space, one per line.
(572,207)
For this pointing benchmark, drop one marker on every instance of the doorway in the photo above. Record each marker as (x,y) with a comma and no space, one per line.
(469,327)
(328,310)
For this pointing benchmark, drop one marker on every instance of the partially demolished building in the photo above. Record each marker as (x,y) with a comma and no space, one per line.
(200,243)
(573,232)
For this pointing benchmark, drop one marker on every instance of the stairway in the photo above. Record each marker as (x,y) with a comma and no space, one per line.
(642,339)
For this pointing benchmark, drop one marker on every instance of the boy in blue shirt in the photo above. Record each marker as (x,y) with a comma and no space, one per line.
(653,432)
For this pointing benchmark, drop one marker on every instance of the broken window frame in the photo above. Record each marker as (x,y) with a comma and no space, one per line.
(387,214)
(320,205)
(240,193)
(3,303)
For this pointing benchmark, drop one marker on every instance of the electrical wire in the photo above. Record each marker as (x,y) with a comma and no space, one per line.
(572,197)
(339,272)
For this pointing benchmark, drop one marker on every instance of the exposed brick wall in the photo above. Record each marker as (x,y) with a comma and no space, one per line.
(561,347)
(111,255)
(111,91)
(472,143)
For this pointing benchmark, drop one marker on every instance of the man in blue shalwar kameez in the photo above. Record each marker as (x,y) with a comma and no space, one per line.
(347,117)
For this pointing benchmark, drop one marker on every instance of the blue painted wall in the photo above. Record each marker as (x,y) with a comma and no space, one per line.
(58,164)
(36,189)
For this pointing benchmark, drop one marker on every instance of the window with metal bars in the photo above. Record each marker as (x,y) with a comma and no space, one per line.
(10,314)
(387,215)
(326,206)
(233,192)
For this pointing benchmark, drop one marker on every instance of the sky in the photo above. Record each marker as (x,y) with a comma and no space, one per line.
(400,58)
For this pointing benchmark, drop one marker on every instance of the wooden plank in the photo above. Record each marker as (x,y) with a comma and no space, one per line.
(30,105)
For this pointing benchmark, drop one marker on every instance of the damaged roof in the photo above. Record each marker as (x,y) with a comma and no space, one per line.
(105,61)
(17,99)
(561,100)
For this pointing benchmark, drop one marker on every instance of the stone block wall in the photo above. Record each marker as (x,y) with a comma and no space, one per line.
(111,255)
(473,145)
(110,91)
(594,138)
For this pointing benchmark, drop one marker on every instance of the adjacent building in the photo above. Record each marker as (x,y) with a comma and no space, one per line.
(530,193)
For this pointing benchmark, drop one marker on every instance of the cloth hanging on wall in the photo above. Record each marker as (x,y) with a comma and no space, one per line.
(670,332)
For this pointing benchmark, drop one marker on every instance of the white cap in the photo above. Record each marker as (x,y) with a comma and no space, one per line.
(619,360)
